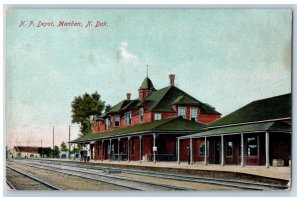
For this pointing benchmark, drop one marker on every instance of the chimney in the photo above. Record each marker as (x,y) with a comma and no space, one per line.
(172,78)
(128,96)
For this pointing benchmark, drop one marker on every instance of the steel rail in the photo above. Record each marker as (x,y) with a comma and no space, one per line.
(150,184)
(33,178)
(246,185)
(10,184)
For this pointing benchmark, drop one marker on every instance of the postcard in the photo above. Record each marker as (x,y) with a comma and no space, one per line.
(154,100)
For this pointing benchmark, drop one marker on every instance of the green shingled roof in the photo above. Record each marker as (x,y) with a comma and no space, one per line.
(265,109)
(245,128)
(147,84)
(168,95)
(162,101)
(119,106)
(170,124)
(184,100)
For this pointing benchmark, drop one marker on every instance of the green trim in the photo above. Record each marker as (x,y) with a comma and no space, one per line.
(176,124)
(246,128)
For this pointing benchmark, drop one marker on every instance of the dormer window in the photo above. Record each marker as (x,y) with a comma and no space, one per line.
(107,123)
(141,111)
(157,116)
(117,120)
(181,112)
(127,118)
(194,114)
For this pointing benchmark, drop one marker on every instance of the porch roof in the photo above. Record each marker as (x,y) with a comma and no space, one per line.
(274,126)
(175,124)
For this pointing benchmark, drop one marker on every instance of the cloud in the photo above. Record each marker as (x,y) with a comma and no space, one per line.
(123,54)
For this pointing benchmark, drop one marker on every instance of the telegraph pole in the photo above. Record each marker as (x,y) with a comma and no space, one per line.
(42,147)
(53,143)
(69,142)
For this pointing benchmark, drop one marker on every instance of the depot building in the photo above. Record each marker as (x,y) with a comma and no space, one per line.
(171,125)
(147,128)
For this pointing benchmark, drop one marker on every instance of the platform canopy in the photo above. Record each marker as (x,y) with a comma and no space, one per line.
(274,108)
(173,125)
(274,126)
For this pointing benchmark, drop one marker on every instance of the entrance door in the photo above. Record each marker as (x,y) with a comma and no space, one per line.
(217,152)
(161,145)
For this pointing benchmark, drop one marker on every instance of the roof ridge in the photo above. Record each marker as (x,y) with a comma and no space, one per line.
(188,95)
(271,97)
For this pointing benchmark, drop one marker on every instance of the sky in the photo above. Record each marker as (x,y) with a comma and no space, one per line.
(223,57)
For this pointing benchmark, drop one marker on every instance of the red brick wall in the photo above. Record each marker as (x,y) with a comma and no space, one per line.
(196,149)
(235,158)
(147,145)
(169,141)
(207,119)
(98,150)
(183,149)
(260,158)
(148,117)
(144,93)
(166,115)
(134,143)
(135,120)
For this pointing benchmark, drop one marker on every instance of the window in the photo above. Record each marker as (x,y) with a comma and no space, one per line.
(252,146)
(157,116)
(107,123)
(202,150)
(229,148)
(181,112)
(117,121)
(194,114)
(141,111)
(128,118)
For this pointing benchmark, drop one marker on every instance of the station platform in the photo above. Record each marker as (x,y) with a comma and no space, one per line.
(283,173)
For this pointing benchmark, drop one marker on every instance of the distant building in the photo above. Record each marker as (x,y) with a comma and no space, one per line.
(29,151)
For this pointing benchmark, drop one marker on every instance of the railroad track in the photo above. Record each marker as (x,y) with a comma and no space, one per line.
(115,180)
(31,180)
(241,184)
(10,185)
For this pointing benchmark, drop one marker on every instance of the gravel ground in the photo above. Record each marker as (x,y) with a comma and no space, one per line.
(66,182)
(21,182)
(192,185)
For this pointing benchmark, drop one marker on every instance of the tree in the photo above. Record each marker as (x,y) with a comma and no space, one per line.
(55,152)
(107,108)
(85,106)
(63,147)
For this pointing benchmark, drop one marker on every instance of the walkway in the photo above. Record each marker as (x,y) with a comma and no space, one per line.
(272,172)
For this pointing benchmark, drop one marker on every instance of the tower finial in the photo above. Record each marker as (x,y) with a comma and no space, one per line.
(147,69)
